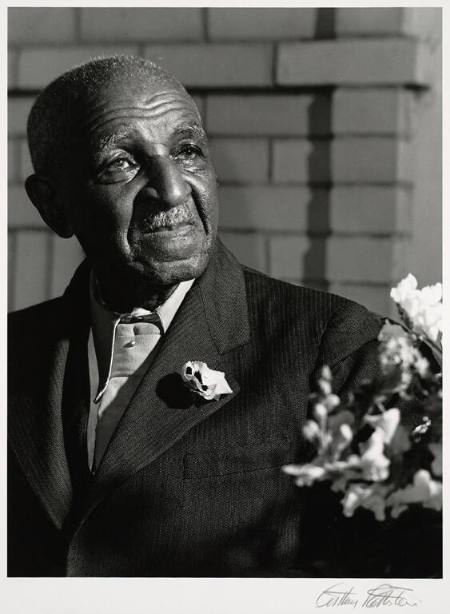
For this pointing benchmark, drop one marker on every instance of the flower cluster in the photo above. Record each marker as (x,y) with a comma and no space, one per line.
(420,309)
(373,450)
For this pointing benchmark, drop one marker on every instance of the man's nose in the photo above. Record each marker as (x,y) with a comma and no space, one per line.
(166,181)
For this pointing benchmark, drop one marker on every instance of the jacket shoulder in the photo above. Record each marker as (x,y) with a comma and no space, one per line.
(34,312)
(53,315)
(337,325)
(34,322)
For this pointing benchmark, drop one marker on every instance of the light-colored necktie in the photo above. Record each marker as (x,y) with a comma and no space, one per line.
(134,342)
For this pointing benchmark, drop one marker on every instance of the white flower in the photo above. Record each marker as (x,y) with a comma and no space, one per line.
(422,366)
(431,295)
(387,422)
(398,509)
(407,296)
(423,490)
(422,307)
(370,497)
(344,471)
(435,500)
(401,441)
(331,401)
(396,349)
(325,380)
(320,414)
(341,440)
(345,416)
(203,381)
(428,321)
(305,475)
(339,484)
(405,290)
(374,464)
(311,430)
(389,331)
(353,499)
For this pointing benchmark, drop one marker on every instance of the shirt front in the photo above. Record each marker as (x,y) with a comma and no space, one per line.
(119,355)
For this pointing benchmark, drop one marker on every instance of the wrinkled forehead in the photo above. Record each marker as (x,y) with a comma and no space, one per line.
(123,97)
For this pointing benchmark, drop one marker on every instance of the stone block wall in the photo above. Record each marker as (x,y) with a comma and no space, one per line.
(324,126)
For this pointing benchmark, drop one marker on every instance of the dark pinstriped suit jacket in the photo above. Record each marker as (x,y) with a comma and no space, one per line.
(185,487)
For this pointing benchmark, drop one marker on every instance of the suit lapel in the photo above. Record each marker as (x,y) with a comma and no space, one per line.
(36,435)
(211,320)
(35,425)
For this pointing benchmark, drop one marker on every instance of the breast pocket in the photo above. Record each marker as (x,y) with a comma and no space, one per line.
(266,455)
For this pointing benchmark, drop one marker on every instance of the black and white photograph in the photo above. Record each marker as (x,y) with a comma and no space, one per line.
(224,296)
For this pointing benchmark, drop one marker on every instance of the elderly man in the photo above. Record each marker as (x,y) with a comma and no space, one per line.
(115,467)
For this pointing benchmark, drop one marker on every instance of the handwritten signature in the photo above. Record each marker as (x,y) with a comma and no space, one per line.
(382,595)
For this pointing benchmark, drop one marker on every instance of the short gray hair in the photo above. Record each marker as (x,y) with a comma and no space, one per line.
(53,115)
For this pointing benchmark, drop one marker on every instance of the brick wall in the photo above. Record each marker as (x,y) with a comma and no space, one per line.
(314,117)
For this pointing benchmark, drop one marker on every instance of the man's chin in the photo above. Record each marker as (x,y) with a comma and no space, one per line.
(168,259)
(172,271)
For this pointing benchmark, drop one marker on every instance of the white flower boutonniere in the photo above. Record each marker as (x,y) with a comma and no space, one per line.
(203,381)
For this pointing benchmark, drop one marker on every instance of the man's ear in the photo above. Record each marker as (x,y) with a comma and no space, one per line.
(44,196)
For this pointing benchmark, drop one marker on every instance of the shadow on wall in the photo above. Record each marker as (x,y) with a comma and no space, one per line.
(318,207)
(271,217)
(319,165)
(281,227)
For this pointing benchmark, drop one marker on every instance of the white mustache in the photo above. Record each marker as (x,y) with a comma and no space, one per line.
(172,217)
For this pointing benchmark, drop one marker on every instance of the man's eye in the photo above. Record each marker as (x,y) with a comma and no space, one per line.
(120,164)
(188,152)
(119,169)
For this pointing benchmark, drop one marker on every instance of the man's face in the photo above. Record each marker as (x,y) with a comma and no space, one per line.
(140,189)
